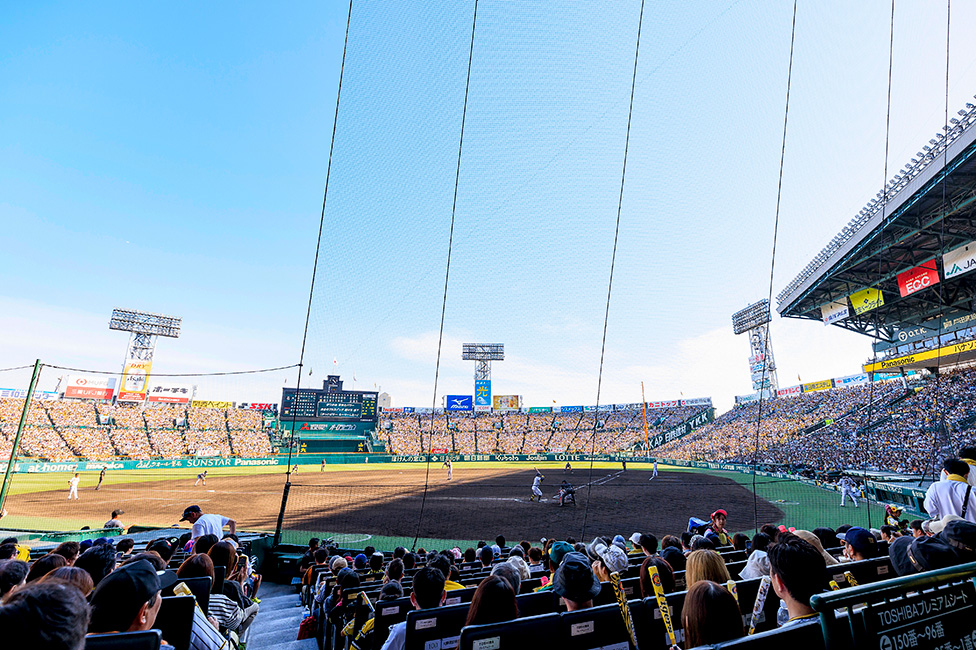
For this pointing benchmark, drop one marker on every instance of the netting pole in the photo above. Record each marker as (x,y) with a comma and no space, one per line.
(20,430)
(281,514)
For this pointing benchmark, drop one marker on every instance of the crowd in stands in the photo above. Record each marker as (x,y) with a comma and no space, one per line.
(526,433)
(110,587)
(65,430)
(879,427)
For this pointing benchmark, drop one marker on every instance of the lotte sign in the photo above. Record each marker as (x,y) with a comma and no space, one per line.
(921,277)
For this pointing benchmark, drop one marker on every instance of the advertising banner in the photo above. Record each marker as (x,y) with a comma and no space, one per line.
(170,393)
(787,392)
(391,410)
(959,261)
(851,380)
(826,384)
(664,404)
(866,300)
(589,409)
(921,277)
(746,399)
(505,402)
(135,381)
(212,405)
(259,406)
(758,384)
(459,403)
(756,358)
(409,409)
(571,409)
(89,387)
(954,320)
(697,401)
(834,311)
(482,394)
(540,409)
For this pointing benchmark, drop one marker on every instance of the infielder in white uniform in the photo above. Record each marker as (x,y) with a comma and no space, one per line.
(450,469)
(73,486)
(537,486)
(654,473)
(848,488)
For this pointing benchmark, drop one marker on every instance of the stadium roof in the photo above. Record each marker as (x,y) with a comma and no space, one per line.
(887,238)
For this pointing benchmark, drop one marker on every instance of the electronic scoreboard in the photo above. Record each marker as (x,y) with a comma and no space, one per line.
(313,405)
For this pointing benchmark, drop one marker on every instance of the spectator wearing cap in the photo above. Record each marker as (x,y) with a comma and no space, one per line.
(710,614)
(510,573)
(916,555)
(428,593)
(207,524)
(814,541)
(519,563)
(46,615)
(645,543)
(859,544)
(575,582)
(951,496)
(126,600)
(115,522)
(606,559)
(717,527)
(705,565)
(797,572)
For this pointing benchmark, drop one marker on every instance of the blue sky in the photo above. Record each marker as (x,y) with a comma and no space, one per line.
(173,160)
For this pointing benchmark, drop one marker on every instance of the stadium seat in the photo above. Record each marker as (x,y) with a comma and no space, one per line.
(804,635)
(200,587)
(595,628)
(631,587)
(147,640)
(442,625)
(220,572)
(459,596)
(388,614)
(544,631)
(534,604)
(175,621)
(864,572)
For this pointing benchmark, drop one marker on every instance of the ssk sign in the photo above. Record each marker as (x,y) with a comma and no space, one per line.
(921,277)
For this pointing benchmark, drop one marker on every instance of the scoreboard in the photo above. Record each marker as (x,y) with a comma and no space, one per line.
(333,406)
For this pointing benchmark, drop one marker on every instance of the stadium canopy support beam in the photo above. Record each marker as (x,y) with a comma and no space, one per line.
(20,430)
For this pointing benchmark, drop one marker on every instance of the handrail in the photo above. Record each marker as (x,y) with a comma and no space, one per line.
(826,603)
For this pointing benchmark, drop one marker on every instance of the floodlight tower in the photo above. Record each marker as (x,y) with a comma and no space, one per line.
(755,319)
(482,354)
(144,328)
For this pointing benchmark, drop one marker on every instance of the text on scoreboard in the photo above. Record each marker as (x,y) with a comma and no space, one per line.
(312,404)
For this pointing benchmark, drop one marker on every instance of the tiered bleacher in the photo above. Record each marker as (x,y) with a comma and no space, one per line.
(64,430)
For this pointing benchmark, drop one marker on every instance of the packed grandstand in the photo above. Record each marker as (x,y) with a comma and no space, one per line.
(819,430)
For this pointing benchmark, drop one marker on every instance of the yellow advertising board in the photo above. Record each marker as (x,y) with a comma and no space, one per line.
(826,384)
(213,405)
(866,300)
(135,381)
(505,402)
(943,354)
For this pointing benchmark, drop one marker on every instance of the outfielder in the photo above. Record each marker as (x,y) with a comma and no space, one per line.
(73,486)
(654,473)
(848,488)
(201,477)
(450,469)
(537,486)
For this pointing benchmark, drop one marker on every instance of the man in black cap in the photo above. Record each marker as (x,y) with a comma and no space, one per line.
(207,524)
(126,600)
(575,582)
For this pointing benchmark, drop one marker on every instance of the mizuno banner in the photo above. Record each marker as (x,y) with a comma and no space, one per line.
(459,403)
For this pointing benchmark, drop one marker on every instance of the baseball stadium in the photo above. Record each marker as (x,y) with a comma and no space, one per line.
(191,500)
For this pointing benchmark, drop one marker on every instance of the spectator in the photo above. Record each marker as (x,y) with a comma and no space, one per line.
(814,541)
(798,571)
(606,559)
(364,637)
(645,543)
(69,551)
(710,615)
(428,593)
(443,564)
(916,528)
(221,608)
(208,524)
(951,496)
(758,564)
(486,556)
(224,554)
(126,600)
(124,547)
(376,561)
(13,574)
(163,547)
(509,573)
(705,565)
(44,565)
(394,571)
(493,602)
(663,569)
(45,616)
(98,561)
(575,582)
(520,565)
(859,544)
(204,543)
(740,542)
(717,528)
(73,576)
(535,560)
